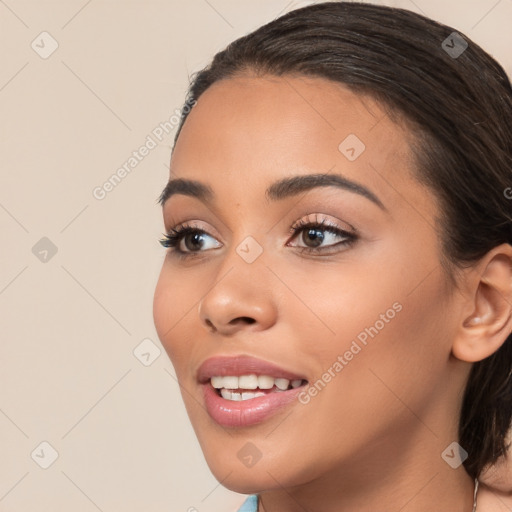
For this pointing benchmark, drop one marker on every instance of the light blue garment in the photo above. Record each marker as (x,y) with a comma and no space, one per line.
(250,504)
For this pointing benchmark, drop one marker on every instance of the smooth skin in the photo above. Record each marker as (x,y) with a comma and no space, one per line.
(495,493)
(372,439)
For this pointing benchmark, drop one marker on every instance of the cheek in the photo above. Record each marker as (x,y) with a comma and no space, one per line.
(162,306)
(389,314)
(393,339)
(172,301)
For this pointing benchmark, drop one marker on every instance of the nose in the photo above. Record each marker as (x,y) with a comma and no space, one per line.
(239,298)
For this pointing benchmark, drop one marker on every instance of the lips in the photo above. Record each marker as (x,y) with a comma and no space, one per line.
(231,405)
(242,365)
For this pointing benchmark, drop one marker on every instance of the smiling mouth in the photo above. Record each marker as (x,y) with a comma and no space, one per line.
(248,387)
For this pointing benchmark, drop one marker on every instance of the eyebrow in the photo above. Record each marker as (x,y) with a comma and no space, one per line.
(282,189)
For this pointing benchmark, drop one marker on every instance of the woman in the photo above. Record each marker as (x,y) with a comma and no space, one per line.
(336,296)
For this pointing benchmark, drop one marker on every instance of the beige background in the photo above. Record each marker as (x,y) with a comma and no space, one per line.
(70,324)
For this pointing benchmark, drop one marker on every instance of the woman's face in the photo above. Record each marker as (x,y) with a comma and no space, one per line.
(357,311)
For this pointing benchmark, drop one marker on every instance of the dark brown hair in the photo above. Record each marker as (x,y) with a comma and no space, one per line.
(459,101)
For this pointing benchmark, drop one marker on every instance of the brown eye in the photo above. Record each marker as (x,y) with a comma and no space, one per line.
(315,236)
(195,240)
(318,237)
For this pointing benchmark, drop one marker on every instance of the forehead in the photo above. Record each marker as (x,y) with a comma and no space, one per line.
(247,131)
(279,112)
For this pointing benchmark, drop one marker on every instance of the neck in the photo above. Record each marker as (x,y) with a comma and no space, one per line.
(408,475)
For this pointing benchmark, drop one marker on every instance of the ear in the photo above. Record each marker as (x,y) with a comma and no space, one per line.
(486,319)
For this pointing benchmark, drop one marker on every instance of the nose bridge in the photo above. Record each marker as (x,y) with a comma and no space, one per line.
(246,254)
(240,293)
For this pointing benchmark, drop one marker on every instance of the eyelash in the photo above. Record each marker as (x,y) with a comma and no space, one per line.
(173,238)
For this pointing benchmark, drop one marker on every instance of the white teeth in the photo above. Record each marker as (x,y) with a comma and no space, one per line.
(265,382)
(237,397)
(248,381)
(247,395)
(226,393)
(229,384)
(217,382)
(282,383)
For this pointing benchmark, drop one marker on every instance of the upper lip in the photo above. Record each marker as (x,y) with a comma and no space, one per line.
(241,365)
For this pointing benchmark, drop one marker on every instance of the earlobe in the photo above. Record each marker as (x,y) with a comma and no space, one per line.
(489,296)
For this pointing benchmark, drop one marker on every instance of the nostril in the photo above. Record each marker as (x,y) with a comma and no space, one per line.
(246,319)
(209,324)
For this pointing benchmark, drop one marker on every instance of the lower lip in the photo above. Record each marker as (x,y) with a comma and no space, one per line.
(244,413)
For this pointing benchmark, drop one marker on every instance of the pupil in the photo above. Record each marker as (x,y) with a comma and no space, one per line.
(316,235)
(197,237)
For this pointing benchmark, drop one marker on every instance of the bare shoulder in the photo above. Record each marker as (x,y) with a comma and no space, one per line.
(490,500)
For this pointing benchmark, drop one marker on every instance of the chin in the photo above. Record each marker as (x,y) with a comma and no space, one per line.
(248,480)
(231,464)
